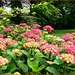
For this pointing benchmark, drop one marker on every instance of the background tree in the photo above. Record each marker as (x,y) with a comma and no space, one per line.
(47,13)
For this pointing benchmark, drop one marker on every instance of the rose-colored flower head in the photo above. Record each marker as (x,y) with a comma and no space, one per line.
(7,29)
(1,36)
(48,27)
(36,25)
(50,49)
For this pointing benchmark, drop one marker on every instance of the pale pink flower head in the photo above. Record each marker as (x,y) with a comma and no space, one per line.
(67,57)
(36,25)
(50,48)
(2,46)
(7,29)
(3,61)
(1,36)
(17,52)
(73,33)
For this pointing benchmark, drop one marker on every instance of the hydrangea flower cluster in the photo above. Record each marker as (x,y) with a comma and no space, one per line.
(10,41)
(16,26)
(50,48)
(17,52)
(3,61)
(48,27)
(36,31)
(2,41)
(73,33)
(13,32)
(58,41)
(70,49)
(43,42)
(31,44)
(7,29)
(2,46)
(36,26)
(67,57)
(66,44)
(30,35)
(29,40)
(25,26)
(67,37)
(1,36)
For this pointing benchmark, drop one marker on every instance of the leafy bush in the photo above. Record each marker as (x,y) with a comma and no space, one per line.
(24,50)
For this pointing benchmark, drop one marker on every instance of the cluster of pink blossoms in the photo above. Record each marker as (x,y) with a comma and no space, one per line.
(30,35)
(3,46)
(1,36)
(43,42)
(3,61)
(31,45)
(25,26)
(10,41)
(16,26)
(29,40)
(48,27)
(58,41)
(70,49)
(17,52)
(68,37)
(50,48)
(73,33)
(7,29)
(67,57)
(36,26)
(36,31)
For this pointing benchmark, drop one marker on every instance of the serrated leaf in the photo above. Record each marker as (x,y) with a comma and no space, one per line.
(26,53)
(3,67)
(12,55)
(34,65)
(58,61)
(22,66)
(38,55)
(52,70)
(15,45)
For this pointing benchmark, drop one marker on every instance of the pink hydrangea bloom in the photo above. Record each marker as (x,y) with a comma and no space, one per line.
(2,46)
(16,26)
(1,36)
(36,25)
(31,44)
(36,31)
(48,27)
(3,61)
(71,49)
(7,29)
(67,57)
(23,24)
(10,41)
(50,48)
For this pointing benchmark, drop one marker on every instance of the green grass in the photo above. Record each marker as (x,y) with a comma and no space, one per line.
(60,33)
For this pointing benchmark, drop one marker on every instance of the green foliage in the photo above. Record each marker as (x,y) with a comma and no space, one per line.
(47,12)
